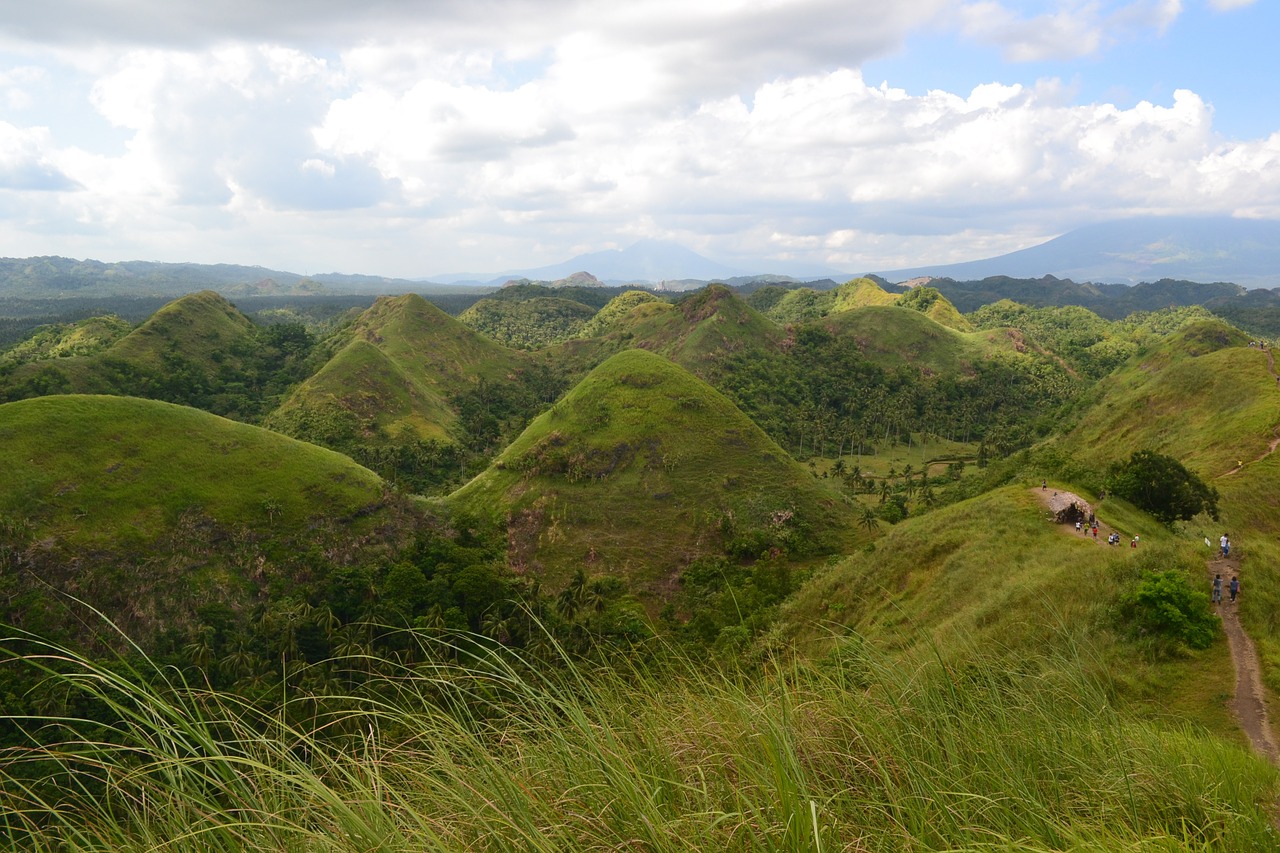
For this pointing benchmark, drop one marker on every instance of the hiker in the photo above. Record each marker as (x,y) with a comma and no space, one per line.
(1217,589)
(1095,532)
(1133,543)
(1077,525)
(1224,545)
(1044,484)
(1235,588)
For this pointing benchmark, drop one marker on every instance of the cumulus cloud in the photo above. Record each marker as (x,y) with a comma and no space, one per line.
(414,137)
(25,161)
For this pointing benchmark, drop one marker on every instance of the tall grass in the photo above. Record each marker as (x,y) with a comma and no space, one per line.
(846,754)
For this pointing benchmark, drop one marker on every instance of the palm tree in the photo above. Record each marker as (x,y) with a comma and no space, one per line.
(884,490)
(572,597)
(868,519)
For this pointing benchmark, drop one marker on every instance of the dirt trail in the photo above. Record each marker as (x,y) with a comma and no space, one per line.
(1249,703)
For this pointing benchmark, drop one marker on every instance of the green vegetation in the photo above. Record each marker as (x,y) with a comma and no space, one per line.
(60,340)
(627,616)
(416,395)
(198,351)
(485,755)
(642,469)
(1198,394)
(1162,486)
(528,324)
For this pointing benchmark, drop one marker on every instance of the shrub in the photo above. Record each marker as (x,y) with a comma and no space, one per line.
(1164,604)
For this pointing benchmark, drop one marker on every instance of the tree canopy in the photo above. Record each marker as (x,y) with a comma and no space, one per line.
(1162,486)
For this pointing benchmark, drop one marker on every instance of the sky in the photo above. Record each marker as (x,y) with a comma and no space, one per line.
(408,138)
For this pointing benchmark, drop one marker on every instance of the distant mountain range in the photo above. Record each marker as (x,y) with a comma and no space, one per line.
(1205,249)
(652,261)
(1242,251)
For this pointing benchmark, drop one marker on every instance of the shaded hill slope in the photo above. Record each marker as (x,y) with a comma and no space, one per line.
(527,324)
(394,379)
(642,469)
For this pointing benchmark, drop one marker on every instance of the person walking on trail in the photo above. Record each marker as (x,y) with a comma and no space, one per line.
(1235,588)
(1217,589)
(1224,545)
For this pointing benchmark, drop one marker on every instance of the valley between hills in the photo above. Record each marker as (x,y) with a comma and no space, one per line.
(588,568)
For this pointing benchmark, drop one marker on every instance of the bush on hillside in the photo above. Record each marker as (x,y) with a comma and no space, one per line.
(1162,486)
(1163,604)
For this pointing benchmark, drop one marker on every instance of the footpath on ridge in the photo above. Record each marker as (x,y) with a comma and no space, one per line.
(1248,703)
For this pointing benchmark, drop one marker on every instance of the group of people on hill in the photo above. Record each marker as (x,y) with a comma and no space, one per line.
(1224,550)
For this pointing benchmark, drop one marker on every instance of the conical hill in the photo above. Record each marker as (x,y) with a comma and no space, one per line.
(88,467)
(859,293)
(197,336)
(896,337)
(393,380)
(641,469)
(697,332)
(150,511)
(200,327)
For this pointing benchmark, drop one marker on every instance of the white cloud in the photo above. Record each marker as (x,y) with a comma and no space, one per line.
(1228,5)
(490,136)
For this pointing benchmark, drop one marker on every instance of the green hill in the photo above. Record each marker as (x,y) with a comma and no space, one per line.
(994,577)
(203,329)
(1200,394)
(88,469)
(895,337)
(699,332)
(64,340)
(859,293)
(394,379)
(199,350)
(151,511)
(642,469)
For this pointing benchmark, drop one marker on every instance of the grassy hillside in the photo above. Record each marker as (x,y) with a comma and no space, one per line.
(1200,395)
(896,337)
(994,577)
(804,304)
(198,350)
(93,469)
(152,511)
(852,753)
(698,332)
(203,328)
(395,380)
(642,469)
(63,340)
